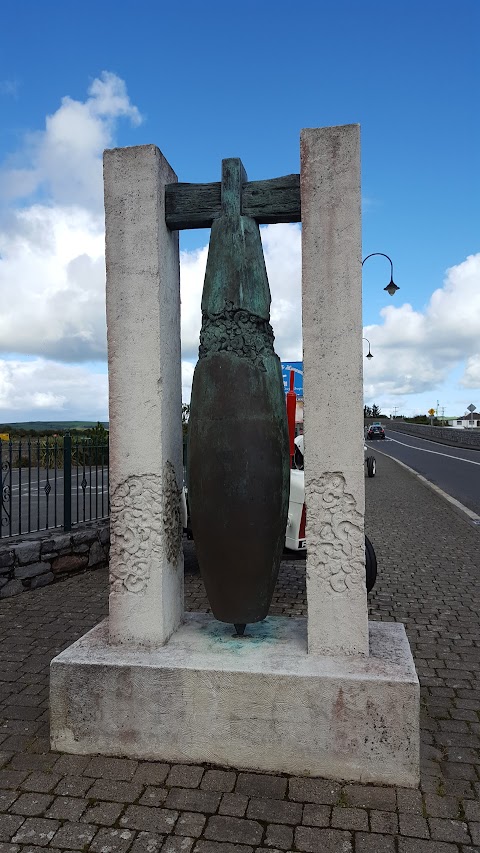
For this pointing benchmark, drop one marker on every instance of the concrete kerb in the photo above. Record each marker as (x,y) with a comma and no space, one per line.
(472,519)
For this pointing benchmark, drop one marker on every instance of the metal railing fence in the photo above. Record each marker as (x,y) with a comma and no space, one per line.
(52,483)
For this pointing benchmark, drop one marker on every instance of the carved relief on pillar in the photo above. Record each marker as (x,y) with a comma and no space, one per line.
(335,533)
(136,529)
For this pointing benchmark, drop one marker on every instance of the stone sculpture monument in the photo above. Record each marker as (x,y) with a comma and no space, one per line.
(330,695)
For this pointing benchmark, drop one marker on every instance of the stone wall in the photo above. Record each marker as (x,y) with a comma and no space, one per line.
(445,435)
(30,563)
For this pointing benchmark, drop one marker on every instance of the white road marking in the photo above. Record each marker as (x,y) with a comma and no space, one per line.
(435,452)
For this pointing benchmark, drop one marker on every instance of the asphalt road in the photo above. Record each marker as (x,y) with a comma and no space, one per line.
(42,511)
(455,470)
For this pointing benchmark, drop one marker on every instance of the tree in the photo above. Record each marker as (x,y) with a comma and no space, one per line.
(98,434)
(376,411)
(367,412)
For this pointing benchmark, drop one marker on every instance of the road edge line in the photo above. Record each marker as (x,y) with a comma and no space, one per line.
(459,507)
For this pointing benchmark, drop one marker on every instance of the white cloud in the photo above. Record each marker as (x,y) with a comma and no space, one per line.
(65,159)
(52,284)
(52,271)
(471,376)
(415,351)
(40,389)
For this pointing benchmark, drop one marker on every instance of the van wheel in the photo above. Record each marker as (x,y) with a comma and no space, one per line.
(370,565)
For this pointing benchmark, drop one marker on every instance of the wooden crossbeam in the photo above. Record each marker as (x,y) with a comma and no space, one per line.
(197,205)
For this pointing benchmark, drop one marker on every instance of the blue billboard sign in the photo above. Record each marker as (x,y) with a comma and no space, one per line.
(297,367)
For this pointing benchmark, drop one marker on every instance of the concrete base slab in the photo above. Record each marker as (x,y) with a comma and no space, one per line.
(260,702)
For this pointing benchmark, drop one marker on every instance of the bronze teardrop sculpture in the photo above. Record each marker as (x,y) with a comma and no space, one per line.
(238,462)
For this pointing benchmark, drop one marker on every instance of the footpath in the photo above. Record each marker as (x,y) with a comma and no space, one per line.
(429,573)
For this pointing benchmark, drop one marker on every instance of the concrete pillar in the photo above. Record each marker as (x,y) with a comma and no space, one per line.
(146,473)
(333,390)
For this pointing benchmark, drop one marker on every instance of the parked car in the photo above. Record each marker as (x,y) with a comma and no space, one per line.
(375,431)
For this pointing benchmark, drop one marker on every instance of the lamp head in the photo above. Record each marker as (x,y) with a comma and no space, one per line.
(391,288)
(369,355)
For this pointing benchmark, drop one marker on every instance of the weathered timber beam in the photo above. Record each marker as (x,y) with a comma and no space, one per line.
(275,200)
(197,205)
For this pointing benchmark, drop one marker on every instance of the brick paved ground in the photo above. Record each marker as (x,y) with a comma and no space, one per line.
(429,559)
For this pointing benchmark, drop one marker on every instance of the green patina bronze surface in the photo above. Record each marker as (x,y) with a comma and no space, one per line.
(238,476)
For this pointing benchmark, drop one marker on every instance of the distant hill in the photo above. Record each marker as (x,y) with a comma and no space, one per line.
(56,426)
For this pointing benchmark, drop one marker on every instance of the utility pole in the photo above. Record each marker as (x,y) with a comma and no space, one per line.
(395,411)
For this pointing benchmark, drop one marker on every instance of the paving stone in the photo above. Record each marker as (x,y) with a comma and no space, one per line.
(415,845)
(75,836)
(220,847)
(7,798)
(346,818)
(219,780)
(147,842)
(151,773)
(233,804)
(118,792)
(368,843)
(41,782)
(105,814)
(279,836)
(475,833)
(233,829)
(119,769)
(152,820)
(316,815)
(191,824)
(184,776)
(261,785)
(36,830)
(314,791)
(449,830)
(31,804)
(472,810)
(112,841)
(441,806)
(410,802)
(384,822)
(12,778)
(71,765)
(67,808)
(324,840)
(370,797)
(274,811)
(414,825)
(177,844)
(9,825)
(73,786)
(153,796)
(193,801)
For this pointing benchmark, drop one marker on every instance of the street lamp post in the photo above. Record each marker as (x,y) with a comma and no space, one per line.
(369,354)
(391,287)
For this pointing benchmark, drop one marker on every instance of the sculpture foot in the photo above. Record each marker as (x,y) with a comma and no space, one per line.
(240,629)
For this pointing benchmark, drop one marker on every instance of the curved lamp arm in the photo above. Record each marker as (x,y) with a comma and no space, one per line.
(391,287)
(369,354)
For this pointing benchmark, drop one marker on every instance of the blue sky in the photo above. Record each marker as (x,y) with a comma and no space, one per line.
(211,80)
